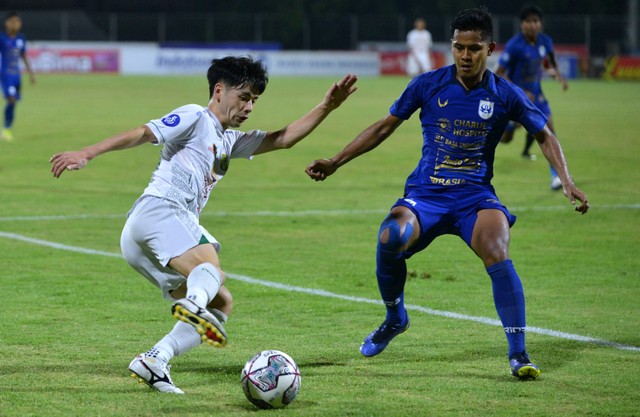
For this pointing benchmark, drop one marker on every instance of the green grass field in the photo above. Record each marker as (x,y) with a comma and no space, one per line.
(75,314)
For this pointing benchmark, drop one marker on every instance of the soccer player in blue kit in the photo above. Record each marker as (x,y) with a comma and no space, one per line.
(464,109)
(521,62)
(12,49)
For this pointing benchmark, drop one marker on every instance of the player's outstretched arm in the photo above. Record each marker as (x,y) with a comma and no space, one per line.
(74,160)
(299,129)
(553,152)
(371,137)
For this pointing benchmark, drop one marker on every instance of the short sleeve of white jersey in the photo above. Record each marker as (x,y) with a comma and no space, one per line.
(245,143)
(176,125)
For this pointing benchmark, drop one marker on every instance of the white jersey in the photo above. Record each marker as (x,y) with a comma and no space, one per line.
(195,155)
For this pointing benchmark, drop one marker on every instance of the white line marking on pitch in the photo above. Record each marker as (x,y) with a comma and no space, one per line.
(323,293)
(301,213)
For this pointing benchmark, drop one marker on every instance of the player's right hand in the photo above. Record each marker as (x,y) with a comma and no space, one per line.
(67,161)
(320,169)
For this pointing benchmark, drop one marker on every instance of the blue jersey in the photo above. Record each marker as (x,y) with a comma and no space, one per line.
(523,61)
(11,50)
(461,128)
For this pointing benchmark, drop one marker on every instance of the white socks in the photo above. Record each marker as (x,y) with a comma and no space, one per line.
(181,339)
(203,283)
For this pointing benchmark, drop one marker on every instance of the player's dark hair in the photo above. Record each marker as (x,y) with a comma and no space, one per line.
(529,10)
(477,20)
(12,14)
(238,72)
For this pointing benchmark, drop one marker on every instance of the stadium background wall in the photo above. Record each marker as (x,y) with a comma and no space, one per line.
(596,31)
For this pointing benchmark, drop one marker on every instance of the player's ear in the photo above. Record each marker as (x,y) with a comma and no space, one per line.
(217,91)
(492,46)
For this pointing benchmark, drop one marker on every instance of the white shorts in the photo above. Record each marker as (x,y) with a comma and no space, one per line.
(157,231)
(416,65)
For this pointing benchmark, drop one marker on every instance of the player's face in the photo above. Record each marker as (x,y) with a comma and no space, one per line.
(531,26)
(13,24)
(234,104)
(470,53)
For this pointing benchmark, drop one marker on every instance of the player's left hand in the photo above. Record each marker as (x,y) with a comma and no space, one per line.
(320,169)
(573,193)
(340,91)
(67,161)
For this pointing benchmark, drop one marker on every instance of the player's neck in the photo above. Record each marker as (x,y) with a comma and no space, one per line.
(532,39)
(469,83)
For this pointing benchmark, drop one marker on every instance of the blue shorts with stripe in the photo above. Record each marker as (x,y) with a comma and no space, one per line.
(449,210)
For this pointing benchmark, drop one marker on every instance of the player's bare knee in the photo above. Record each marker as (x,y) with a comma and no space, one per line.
(494,255)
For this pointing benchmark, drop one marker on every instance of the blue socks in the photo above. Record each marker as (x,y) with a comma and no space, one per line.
(9,112)
(391,271)
(508,297)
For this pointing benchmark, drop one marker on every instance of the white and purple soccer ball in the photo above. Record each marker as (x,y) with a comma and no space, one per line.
(270,379)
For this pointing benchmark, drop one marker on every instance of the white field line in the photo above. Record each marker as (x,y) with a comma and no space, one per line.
(323,293)
(301,213)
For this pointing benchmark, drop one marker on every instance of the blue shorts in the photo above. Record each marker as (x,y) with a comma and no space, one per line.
(11,86)
(542,104)
(449,211)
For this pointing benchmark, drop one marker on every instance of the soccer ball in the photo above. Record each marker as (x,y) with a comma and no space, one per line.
(270,379)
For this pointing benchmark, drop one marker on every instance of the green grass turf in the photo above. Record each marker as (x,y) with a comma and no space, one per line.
(73,321)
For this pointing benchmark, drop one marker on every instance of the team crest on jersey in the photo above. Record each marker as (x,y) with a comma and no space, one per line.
(485,109)
(542,51)
(171,120)
(224,162)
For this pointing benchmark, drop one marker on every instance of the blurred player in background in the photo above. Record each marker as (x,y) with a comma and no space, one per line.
(464,109)
(419,44)
(522,63)
(13,47)
(162,238)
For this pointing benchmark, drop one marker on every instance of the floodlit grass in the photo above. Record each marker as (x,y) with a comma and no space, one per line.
(73,321)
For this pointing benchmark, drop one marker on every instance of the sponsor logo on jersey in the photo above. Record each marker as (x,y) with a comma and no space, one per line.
(485,109)
(444,124)
(171,120)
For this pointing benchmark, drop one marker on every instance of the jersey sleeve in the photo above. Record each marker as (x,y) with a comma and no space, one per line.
(507,56)
(548,44)
(176,125)
(410,100)
(525,112)
(245,143)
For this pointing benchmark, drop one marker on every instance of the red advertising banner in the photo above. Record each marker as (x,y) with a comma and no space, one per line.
(622,67)
(74,61)
(395,62)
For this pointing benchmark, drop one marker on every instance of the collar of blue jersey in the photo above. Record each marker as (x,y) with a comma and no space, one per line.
(484,82)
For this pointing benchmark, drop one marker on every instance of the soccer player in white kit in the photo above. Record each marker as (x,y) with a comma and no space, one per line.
(162,238)
(419,43)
